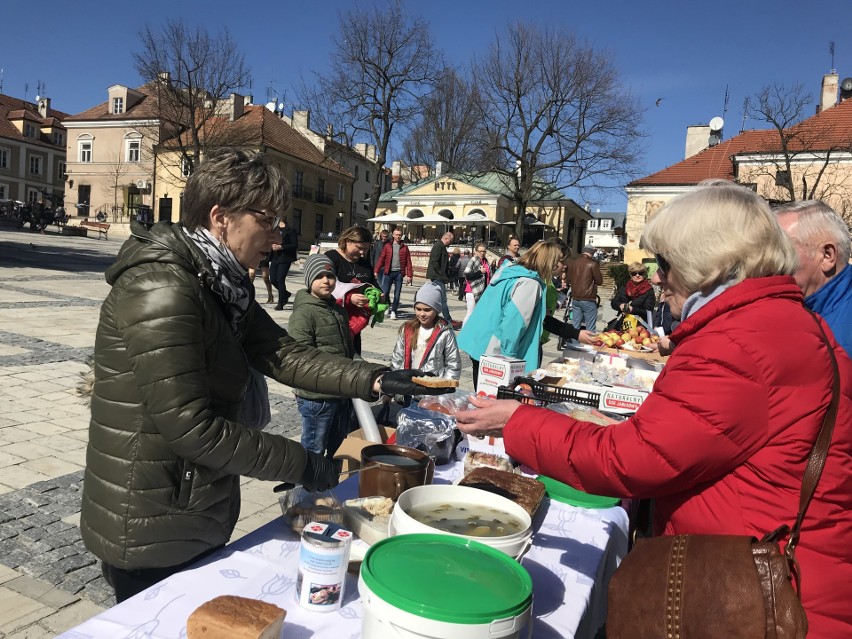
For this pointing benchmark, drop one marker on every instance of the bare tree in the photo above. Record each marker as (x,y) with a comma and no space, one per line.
(114,186)
(194,74)
(799,157)
(382,66)
(450,128)
(558,114)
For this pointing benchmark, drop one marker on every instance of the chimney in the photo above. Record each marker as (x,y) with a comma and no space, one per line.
(697,139)
(828,95)
(165,76)
(237,107)
(329,131)
(44,107)
(302,120)
(440,168)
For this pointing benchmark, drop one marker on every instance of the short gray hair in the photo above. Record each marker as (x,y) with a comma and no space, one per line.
(234,180)
(817,221)
(719,232)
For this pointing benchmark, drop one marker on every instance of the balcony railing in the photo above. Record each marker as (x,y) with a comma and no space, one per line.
(324,198)
(303,192)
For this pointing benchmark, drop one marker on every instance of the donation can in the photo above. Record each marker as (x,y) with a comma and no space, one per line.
(323,560)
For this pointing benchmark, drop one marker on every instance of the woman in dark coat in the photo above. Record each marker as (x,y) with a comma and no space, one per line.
(637,295)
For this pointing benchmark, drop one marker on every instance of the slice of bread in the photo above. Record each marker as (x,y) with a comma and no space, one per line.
(232,617)
(524,491)
(436,382)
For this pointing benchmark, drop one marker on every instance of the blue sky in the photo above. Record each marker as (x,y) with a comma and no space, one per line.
(685,52)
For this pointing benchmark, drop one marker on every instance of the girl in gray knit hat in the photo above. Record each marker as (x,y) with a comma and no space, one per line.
(427,342)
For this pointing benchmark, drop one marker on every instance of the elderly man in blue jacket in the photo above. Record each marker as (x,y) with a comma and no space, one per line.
(821,238)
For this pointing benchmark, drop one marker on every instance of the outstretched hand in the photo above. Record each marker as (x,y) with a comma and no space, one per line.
(488,419)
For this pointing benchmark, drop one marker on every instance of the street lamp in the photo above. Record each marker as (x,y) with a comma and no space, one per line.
(340,215)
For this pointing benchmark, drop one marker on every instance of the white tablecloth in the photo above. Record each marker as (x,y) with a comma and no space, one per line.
(574,552)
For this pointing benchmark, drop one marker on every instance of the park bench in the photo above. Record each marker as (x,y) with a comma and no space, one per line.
(101,227)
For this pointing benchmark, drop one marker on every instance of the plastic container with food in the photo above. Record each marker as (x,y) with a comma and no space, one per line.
(301,507)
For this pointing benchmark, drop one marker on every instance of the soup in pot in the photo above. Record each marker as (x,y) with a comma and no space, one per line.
(467,519)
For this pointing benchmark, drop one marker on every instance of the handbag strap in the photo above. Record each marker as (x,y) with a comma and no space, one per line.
(816,460)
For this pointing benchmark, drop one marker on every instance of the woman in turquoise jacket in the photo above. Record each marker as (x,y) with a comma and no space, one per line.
(508,318)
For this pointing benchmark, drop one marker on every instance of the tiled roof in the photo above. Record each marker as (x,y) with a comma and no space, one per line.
(258,126)
(144,109)
(713,162)
(617,218)
(830,129)
(14,108)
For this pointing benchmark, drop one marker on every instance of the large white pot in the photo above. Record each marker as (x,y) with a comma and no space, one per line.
(401,523)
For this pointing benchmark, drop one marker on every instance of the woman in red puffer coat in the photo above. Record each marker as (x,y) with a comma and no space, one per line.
(722,441)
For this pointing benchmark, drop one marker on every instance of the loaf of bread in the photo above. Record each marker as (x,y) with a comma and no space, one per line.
(232,617)
(436,382)
(524,491)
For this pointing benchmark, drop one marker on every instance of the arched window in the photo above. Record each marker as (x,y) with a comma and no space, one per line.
(85,147)
(132,146)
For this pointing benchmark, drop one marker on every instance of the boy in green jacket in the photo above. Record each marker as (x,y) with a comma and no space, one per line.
(319,321)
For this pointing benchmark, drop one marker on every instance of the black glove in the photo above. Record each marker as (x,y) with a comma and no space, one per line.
(320,473)
(557,327)
(399,383)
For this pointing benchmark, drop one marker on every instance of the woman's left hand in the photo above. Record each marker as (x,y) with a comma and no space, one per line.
(488,419)
(590,338)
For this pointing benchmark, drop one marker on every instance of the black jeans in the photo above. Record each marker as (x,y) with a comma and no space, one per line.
(128,583)
(278,274)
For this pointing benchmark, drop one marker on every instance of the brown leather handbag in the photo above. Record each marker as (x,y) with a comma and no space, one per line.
(703,586)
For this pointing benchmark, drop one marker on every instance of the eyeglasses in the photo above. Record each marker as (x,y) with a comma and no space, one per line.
(481,251)
(663,265)
(635,273)
(266,220)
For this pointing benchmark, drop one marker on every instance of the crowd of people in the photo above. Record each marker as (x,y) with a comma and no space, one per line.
(182,350)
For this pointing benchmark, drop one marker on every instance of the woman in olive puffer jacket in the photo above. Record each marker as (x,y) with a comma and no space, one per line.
(178,336)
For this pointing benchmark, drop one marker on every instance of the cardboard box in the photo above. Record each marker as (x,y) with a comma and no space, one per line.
(496,371)
(612,399)
(350,450)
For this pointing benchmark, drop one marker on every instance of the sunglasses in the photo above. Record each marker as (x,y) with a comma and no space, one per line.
(663,265)
(268,221)
(637,273)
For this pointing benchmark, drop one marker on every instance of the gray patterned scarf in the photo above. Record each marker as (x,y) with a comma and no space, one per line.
(231,285)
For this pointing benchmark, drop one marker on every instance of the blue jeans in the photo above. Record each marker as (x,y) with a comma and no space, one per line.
(395,278)
(380,279)
(325,424)
(445,310)
(585,312)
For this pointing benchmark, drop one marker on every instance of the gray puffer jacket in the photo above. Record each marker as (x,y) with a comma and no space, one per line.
(165,452)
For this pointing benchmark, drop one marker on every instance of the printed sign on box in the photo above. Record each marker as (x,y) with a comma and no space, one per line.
(496,371)
(621,400)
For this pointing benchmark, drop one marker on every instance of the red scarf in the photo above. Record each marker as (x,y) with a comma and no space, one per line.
(634,290)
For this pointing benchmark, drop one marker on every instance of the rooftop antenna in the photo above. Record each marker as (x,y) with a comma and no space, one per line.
(26,90)
(745,113)
(831,52)
(725,103)
(2,71)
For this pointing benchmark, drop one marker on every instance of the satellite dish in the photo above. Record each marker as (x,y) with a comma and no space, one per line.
(38,97)
(270,106)
(846,85)
(716,124)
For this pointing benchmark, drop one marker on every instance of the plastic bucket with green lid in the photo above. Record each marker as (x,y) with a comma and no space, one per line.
(442,587)
(558,491)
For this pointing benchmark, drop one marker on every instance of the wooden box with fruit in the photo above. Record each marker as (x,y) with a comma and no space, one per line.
(637,339)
